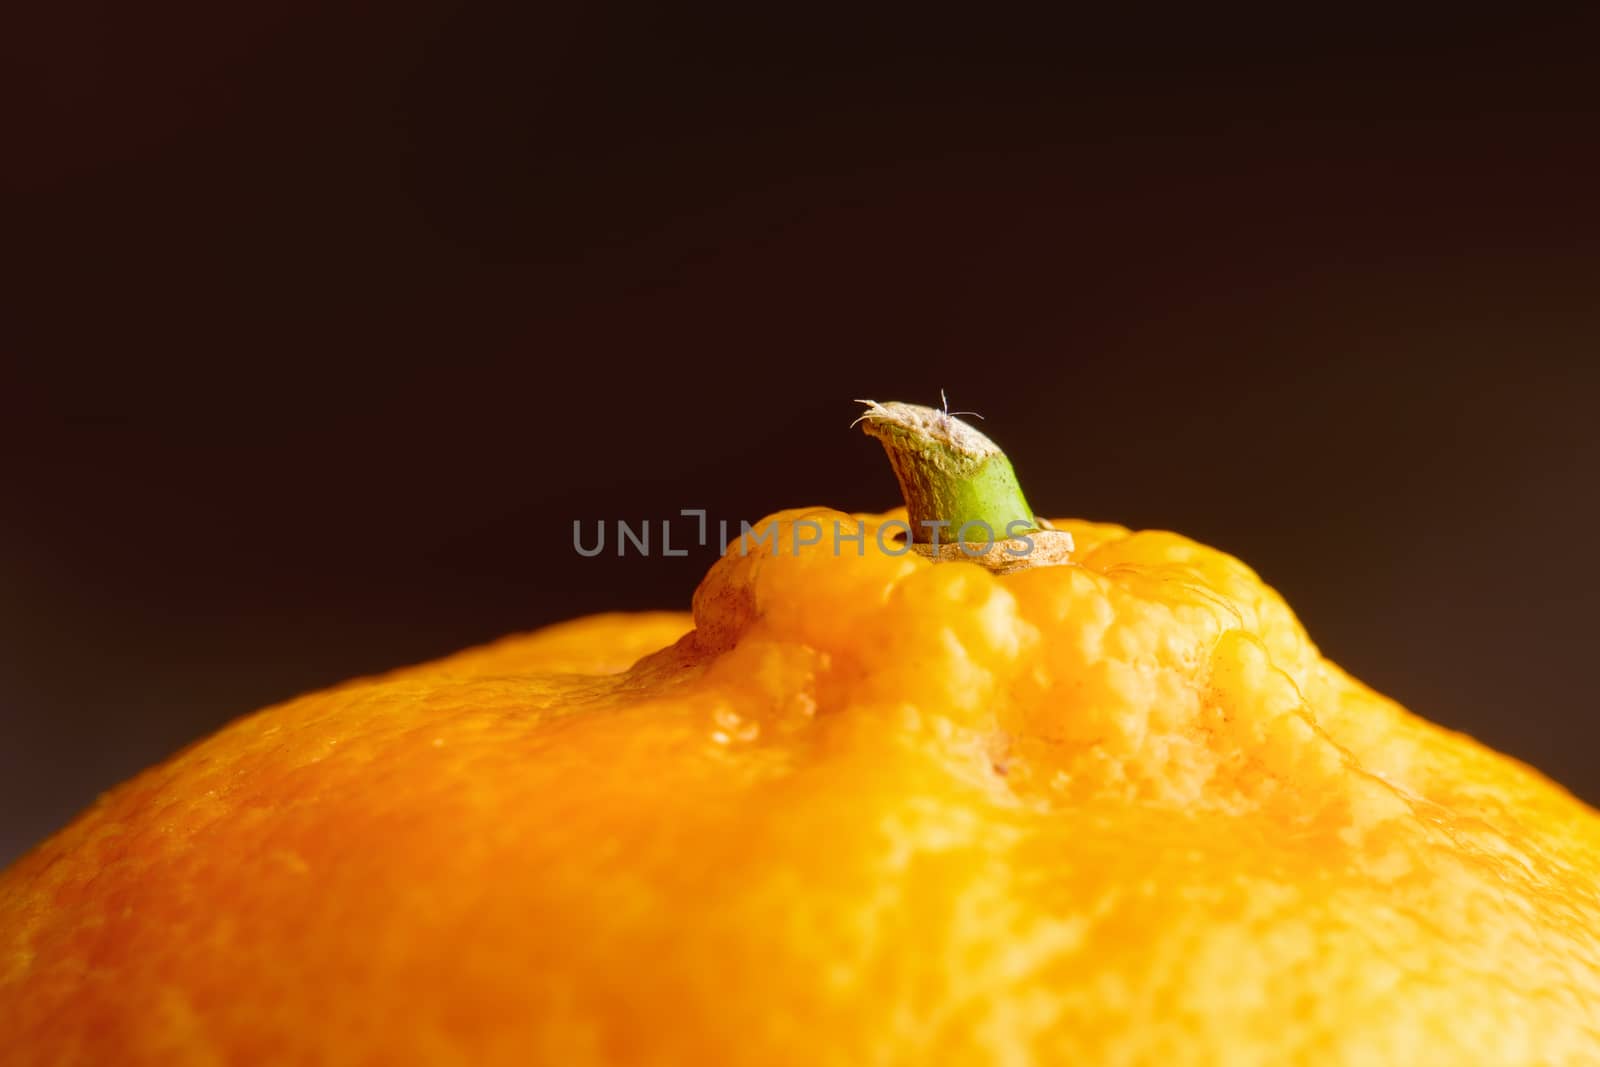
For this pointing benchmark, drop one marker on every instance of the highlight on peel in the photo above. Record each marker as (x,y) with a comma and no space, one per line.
(855,809)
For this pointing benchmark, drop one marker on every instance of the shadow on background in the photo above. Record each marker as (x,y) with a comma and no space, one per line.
(334,321)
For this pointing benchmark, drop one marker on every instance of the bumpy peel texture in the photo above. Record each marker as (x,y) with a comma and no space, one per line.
(858,810)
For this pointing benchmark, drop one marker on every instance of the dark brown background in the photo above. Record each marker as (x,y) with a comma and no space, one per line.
(332,318)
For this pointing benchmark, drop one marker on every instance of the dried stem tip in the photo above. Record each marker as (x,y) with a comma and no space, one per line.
(950,474)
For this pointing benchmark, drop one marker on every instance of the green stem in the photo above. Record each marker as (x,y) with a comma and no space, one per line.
(950,475)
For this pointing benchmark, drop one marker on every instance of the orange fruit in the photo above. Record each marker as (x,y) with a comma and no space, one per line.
(859,809)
